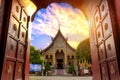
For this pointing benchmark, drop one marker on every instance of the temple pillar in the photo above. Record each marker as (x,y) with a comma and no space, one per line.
(54,63)
(65,57)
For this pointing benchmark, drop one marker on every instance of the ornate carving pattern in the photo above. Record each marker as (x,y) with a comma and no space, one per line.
(17,9)
(9,70)
(103,70)
(99,35)
(96,19)
(21,51)
(109,47)
(19,69)
(103,7)
(22,34)
(106,26)
(14,27)
(24,19)
(11,47)
(112,70)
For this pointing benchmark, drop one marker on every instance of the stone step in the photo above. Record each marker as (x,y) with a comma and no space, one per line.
(60,72)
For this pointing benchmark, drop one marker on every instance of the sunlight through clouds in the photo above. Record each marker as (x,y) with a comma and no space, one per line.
(71,21)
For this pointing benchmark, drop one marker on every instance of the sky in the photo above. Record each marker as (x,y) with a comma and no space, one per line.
(71,21)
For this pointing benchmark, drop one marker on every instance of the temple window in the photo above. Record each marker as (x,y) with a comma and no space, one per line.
(50,56)
(68,56)
(69,63)
(46,56)
(50,63)
(72,57)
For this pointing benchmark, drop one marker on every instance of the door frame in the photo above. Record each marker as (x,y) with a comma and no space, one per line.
(6,6)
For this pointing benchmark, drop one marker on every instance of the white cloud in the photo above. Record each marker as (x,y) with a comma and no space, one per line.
(71,20)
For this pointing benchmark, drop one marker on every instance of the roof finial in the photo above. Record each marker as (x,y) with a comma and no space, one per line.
(59,25)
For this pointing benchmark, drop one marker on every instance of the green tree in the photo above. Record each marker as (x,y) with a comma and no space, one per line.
(47,68)
(71,69)
(35,57)
(83,51)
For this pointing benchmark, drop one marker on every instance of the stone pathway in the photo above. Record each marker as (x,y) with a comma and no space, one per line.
(59,78)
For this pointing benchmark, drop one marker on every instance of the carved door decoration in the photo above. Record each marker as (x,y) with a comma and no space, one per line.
(16,46)
(105,42)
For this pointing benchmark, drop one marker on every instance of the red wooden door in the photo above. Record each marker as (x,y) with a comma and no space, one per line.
(16,45)
(105,42)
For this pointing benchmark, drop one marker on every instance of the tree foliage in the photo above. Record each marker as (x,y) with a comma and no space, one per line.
(47,67)
(71,68)
(83,51)
(35,57)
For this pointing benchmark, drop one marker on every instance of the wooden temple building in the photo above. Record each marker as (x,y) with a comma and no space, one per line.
(59,53)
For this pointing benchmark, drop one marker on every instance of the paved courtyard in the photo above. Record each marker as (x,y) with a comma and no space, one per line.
(59,78)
